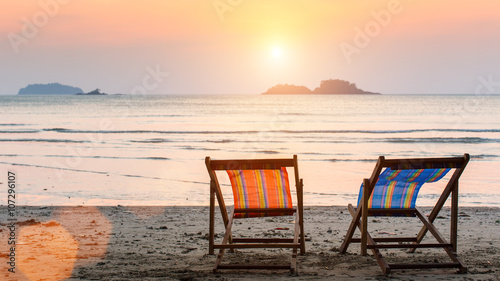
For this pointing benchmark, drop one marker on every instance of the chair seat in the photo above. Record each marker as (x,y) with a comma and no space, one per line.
(267,212)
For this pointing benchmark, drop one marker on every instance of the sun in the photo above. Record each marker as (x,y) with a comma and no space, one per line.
(276,52)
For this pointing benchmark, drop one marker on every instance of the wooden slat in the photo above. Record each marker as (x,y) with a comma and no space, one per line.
(253,164)
(256,266)
(265,210)
(257,246)
(388,239)
(391,211)
(406,246)
(262,240)
(424,265)
(424,163)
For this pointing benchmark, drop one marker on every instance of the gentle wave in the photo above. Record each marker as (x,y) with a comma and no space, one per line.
(43,140)
(484,156)
(463,140)
(19,131)
(441,140)
(101,172)
(86,156)
(64,130)
(390,131)
(225,141)
(78,170)
(158,140)
(350,160)
(467,140)
(268,151)
(477,157)
(221,141)
(54,168)
(13,124)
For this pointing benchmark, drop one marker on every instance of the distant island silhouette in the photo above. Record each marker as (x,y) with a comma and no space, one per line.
(327,87)
(96,92)
(49,89)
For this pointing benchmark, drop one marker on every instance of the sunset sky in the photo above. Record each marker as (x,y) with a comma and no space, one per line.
(248,46)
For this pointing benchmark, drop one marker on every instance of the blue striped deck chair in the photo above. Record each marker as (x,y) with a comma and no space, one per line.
(392,190)
(260,188)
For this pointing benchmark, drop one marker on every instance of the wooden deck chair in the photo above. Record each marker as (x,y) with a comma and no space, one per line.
(260,188)
(393,192)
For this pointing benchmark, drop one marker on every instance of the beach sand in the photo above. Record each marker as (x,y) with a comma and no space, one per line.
(170,243)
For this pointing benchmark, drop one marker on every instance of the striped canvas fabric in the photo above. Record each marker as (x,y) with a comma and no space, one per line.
(260,189)
(399,188)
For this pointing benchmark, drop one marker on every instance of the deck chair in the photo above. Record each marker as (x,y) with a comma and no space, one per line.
(260,189)
(393,192)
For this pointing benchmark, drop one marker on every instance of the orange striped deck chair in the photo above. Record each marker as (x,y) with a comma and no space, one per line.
(261,188)
(392,190)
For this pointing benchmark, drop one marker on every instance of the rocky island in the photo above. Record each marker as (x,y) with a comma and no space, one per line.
(96,92)
(327,87)
(49,89)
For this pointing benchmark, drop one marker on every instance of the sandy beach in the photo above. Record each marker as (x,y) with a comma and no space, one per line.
(170,243)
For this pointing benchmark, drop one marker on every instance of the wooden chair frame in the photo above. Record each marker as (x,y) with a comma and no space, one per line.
(228,242)
(360,216)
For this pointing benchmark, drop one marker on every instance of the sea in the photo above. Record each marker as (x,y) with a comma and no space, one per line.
(150,150)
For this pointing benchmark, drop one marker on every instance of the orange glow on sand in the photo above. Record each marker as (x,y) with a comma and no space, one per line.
(90,228)
(46,251)
(50,250)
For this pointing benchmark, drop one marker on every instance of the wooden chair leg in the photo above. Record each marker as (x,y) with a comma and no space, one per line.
(293,263)
(454,218)
(439,237)
(300,214)
(211,234)
(364,216)
(376,253)
(225,241)
(351,229)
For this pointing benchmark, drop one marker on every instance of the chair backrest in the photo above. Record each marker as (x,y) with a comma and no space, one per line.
(258,184)
(260,189)
(397,186)
(398,189)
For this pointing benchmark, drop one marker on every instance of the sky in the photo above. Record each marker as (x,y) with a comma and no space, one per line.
(248,46)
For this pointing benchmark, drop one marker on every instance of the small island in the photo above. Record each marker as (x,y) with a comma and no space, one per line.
(327,87)
(49,89)
(287,89)
(96,92)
